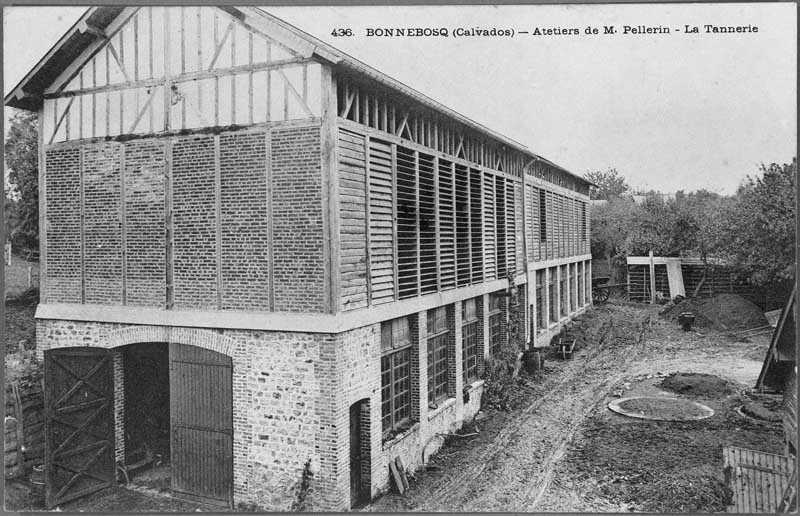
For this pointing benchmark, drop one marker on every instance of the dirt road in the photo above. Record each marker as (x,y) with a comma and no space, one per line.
(530,459)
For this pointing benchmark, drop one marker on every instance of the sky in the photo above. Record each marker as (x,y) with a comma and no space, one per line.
(670,111)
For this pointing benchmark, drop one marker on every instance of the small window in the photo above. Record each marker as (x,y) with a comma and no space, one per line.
(395,375)
(469,340)
(438,335)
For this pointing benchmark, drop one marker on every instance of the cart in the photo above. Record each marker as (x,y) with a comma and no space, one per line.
(600,289)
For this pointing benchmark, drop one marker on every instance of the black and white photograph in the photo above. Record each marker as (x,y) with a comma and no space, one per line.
(534,258)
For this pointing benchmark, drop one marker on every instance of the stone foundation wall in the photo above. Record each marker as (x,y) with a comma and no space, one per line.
(283,404)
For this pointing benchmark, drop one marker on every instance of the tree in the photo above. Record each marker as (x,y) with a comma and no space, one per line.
(609,184)
(757,233)
(22,159)
(611,223)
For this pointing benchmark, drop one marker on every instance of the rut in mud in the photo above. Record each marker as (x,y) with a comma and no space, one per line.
(511,471)
(561,450)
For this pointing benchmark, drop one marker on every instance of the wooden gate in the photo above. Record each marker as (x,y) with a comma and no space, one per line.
(201,412)
(79,424)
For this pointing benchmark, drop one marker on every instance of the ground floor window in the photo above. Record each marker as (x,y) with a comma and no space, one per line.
(469,340)
(495,323)
(438,335)
(541,309)
(581,283)
(564,290)
(395,375)
(573,287)
(551,283)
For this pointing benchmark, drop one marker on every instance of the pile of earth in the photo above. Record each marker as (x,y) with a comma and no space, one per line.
(764,408)
(722,312)
(698,385)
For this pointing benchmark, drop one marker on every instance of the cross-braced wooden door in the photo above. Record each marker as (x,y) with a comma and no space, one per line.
(79,425)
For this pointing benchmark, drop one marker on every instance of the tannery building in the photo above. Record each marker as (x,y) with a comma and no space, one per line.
(271,264)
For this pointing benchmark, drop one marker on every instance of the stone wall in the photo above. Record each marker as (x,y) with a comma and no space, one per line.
(283,404)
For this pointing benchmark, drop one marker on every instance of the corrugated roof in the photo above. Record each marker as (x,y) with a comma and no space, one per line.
(28,93)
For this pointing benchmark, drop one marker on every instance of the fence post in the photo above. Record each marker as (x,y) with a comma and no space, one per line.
(652,279)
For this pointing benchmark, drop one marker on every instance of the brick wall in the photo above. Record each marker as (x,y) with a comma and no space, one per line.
(145,258)
(195,222)
(63,226)
(297,219)
(102,224)
(227,228)
(244,222)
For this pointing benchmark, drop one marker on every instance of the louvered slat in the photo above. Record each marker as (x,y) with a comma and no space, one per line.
(476,240)
(447,236)
(489,229)
(427,229)
(381,243)
(352,216)
(407,252)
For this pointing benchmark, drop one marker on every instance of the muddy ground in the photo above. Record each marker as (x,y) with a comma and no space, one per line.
(560,449)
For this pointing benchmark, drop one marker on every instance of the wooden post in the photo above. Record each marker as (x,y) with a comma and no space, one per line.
(652,279)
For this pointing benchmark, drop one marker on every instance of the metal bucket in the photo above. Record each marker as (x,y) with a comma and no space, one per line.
(37,483)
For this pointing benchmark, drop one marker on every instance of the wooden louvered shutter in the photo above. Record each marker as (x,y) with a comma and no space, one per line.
(500,225)
(352,220)
(381,249)
(530,240)
(462,225)
(447,236)
(511,227)
(427,224)
(519,228)
(489,229)
(407,228)
(476,225)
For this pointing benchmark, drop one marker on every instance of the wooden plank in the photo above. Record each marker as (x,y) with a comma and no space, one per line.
(398,482)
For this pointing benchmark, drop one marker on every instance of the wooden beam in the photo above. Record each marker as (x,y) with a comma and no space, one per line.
(142,111)
(296,95)
(60,120)
(75,66)
(368,253)
(119,62)
(350,97)
(220,45)
(218,217)
(123,225)
(330,176)
(190,76)
(169,258)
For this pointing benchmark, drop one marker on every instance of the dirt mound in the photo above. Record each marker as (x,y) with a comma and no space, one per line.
(722,312)
(735,312)
(698,384)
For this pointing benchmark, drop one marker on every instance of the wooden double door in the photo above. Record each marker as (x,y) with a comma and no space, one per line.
(79,423)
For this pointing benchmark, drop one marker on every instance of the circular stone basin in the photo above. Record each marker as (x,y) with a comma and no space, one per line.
(661,408)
